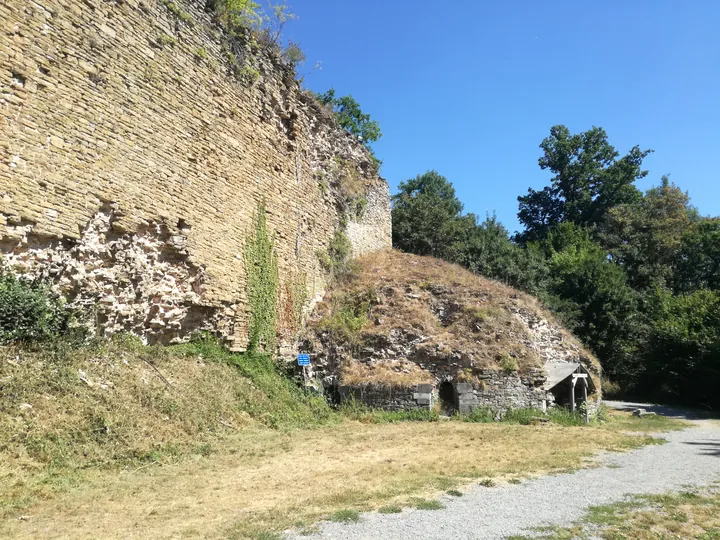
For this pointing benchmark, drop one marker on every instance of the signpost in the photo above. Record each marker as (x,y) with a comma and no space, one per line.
(304,361)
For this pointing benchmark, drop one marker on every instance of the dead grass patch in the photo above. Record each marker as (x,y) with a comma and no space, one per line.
(392,373)
(261,480)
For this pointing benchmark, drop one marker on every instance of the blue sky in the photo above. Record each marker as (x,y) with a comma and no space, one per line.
(470,88)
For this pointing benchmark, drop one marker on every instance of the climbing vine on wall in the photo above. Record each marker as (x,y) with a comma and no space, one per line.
(261,268)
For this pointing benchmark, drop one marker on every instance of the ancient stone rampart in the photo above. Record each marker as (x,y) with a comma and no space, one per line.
(133,161)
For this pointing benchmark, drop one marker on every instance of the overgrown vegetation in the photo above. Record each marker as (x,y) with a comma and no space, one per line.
(28,311)
(635,275)
(348,315)
(69,417)
(350,116)
(336,260)
(261,270)
(115,402)
(252,30)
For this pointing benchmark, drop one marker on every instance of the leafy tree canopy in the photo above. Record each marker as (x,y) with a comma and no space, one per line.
(645,237)
(589,180)
(426,215)
(698,260)
(349,115)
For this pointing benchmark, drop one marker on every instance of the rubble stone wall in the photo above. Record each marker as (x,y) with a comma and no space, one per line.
(132,164)
(500,391)
(497,391)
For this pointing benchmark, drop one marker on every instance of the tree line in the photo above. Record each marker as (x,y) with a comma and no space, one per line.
(635,275)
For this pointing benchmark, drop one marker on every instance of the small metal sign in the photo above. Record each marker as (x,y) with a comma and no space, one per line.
(303,359)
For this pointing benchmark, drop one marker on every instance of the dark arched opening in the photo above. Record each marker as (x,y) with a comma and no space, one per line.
(448,398)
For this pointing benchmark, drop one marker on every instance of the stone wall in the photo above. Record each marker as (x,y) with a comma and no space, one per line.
(500,391)
(497,391)
(132,163)
(389,398)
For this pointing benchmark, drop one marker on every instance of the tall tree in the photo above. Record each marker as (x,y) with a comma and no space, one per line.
(591,294)
(589,179)
(681,355)
(426,215)
(698,261)
(645,237)
(486,249)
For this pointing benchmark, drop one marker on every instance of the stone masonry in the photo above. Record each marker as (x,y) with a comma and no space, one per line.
(132,163)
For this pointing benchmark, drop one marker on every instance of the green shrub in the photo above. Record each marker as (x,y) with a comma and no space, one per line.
(360,206)
(165,40)
(509,364)
(349,116)
(336,260)
(480,415)
(424,504)
(348,315)
(28,312)
(566,417)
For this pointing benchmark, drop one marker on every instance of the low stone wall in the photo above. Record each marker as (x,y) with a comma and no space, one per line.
(496,390)
(500,391)
(389,398)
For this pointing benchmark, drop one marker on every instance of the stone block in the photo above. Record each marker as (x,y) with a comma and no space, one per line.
(424,388)
(463,388)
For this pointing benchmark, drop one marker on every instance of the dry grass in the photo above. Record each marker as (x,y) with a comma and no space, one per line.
(460,318)
(259,481)
(118,404)
(396,373)
(686,514)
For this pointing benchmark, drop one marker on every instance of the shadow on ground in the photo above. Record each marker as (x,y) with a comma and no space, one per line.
(709,448)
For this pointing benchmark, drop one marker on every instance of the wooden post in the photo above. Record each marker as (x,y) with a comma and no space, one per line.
(585,401)
(572,394)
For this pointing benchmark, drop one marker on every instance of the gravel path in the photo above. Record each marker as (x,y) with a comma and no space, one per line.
(691,458)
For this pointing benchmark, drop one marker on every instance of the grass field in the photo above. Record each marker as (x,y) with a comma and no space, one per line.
(258,480)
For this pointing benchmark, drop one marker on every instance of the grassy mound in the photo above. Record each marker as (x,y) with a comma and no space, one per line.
(427,312)
(119,401)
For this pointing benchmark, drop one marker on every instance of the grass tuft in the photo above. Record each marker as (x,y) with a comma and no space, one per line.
(345,516)
(390,509)
(425,504)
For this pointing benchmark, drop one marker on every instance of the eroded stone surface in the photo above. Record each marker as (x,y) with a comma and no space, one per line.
(97,114)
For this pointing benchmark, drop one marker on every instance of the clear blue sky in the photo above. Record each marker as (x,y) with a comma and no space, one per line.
(471,87)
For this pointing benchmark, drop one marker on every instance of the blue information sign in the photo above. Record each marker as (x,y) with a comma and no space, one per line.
(303,359)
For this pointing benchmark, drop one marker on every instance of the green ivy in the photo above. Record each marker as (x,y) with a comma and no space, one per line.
(261,269)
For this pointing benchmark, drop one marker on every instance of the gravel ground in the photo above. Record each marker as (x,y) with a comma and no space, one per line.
(691,458)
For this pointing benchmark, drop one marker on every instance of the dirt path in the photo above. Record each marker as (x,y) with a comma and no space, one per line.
(690,458)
